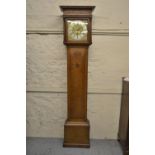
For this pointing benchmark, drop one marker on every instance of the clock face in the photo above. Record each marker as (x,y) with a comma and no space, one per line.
(77,30)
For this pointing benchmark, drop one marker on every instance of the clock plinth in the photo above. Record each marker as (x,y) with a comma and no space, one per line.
(77,37)
(76,134)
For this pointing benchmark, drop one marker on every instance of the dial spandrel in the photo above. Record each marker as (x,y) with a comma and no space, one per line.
(77,30)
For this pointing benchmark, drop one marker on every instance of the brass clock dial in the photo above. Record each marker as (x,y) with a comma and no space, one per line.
(77,30)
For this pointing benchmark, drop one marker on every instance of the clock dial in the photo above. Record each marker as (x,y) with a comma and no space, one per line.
(77,30)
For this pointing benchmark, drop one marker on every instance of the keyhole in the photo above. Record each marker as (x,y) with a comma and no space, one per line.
(77,65)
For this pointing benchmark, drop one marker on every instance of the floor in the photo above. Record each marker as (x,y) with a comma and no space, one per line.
(51,146)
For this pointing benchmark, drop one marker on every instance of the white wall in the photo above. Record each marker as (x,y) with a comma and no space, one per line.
(46,67)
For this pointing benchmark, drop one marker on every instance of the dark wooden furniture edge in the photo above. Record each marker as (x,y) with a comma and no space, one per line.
(76,145)
(78,7)
(124,143)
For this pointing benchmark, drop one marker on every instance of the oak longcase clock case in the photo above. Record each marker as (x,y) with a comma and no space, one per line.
(77,38)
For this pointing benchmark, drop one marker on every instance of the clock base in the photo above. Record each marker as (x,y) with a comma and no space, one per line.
(76,134)
(76,145)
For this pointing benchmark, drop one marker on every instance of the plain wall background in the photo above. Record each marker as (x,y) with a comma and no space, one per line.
(47,70)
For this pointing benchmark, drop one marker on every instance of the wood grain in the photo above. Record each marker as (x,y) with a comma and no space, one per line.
(77,82)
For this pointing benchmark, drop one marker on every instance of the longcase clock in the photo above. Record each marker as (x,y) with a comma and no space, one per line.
(77,38)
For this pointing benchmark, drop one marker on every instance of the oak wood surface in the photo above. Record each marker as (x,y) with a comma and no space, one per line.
(77,82)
